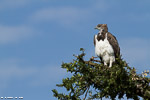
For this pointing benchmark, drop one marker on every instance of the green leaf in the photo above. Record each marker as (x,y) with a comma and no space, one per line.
(105,82)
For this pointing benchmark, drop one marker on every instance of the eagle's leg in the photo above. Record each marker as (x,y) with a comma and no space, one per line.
(110,63)
(111,60)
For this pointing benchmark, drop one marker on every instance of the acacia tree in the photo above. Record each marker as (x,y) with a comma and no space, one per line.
(92,80)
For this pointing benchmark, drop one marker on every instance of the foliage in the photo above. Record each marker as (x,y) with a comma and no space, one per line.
(92,80)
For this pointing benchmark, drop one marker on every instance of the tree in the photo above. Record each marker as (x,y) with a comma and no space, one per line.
(92,80)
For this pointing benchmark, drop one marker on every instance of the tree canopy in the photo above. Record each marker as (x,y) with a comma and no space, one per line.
(92,80)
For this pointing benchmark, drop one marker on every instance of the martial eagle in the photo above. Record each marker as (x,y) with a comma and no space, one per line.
(106,45)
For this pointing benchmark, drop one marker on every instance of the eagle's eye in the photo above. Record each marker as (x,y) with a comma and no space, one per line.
(99,25)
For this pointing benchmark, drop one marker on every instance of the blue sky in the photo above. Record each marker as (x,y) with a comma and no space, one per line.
(36,36)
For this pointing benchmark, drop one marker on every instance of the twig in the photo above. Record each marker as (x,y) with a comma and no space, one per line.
(90,63)
(86,93)
(92,59)
(97,61)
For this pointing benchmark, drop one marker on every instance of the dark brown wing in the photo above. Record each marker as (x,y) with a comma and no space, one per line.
(113,41)
(94,41)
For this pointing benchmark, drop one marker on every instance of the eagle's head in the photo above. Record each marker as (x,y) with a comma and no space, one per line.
(102,27)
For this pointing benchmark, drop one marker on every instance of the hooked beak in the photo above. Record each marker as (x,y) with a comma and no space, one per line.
(95,28)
